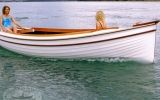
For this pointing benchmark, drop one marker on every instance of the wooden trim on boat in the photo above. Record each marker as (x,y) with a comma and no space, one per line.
(60,30)
(65,30)
(84,42)
(81,32)
(141,24)
(55,30)
(84,31)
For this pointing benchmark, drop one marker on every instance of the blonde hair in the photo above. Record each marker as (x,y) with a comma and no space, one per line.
(100,15)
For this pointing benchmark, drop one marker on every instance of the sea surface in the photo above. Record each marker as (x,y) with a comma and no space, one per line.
(31,78)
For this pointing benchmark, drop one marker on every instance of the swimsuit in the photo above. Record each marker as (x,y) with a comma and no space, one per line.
(7,22)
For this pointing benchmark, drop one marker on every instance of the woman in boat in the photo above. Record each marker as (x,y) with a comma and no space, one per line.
(100,20)
(7,22)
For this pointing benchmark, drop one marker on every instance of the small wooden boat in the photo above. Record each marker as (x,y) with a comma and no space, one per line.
(137,42)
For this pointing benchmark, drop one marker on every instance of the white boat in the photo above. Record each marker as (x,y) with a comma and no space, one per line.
(137,42)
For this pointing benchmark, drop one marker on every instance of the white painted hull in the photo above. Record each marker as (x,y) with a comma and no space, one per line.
(125,43)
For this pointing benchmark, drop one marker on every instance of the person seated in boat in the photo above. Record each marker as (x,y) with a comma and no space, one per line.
(100,20)
(7,22)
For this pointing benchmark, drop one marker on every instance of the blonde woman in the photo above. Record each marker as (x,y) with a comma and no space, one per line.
(100,20)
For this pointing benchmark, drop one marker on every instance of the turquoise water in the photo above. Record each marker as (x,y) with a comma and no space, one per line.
(55,79)
(78,80)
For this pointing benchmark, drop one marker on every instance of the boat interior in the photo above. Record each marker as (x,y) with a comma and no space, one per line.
(41,31)
(56,32)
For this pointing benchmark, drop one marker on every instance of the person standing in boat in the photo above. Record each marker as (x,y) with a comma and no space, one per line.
(100,20)
(7,22)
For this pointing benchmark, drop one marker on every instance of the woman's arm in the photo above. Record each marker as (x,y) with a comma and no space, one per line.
(1,22)
(98,26)
(1,25)
(16,23)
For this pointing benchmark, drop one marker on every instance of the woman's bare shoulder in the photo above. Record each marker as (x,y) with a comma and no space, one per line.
(11,17)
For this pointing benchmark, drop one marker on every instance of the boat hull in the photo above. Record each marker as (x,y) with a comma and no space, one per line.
(136,43)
